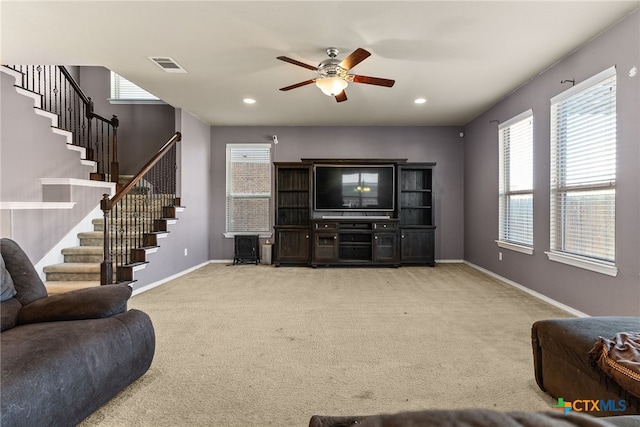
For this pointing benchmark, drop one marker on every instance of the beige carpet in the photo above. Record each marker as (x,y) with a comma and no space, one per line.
(263,346)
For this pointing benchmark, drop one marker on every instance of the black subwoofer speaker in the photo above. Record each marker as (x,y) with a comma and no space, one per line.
(246,249)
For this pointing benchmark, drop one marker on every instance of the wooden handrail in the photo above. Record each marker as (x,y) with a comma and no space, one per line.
(106,204)
(62,95)
(75,85)
(124,190)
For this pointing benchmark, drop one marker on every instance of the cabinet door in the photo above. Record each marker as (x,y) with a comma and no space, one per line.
(384,247)
(325,247)
(292,246)
(417,246)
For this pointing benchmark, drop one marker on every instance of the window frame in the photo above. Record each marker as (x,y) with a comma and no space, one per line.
(230,147)
(504,187)
(116,81)
(559,188)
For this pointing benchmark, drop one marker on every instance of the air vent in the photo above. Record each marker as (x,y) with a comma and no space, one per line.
(168,64)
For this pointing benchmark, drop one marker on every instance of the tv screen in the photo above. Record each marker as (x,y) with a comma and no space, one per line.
(354,188)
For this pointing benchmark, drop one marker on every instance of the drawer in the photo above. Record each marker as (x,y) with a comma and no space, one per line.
(326,226)
(384,226)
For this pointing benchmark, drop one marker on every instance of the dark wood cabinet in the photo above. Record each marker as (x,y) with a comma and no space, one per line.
(292,246)
(405,236)
(415,210)
(293,214)
(385,243)
(416,246)
(325,247)
(354,242)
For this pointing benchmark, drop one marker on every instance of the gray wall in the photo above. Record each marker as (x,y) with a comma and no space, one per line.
(29,150)
(28,153)
(143,129)
(442,145)
(191,232)
(589,292)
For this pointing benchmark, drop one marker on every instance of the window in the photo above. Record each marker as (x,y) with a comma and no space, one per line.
(516,183)
(583,174)
(248,189)
(123,91)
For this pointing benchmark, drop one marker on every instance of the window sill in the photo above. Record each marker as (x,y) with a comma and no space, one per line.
(136,101)
(601,267)
(515,247)
(261,235)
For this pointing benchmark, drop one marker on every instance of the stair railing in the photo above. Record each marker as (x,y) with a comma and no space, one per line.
(136,216)
(62,95)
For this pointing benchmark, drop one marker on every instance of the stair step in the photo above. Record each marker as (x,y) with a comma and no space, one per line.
(83,254)
(73,271)
(60,287)
(96,238)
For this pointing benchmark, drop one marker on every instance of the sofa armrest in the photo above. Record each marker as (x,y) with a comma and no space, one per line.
(90,303)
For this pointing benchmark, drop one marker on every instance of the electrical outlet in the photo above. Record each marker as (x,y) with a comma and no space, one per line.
(185,252)
(499,256)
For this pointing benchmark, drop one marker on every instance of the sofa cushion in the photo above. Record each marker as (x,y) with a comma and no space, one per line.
(619,357)
(89,303)
(7,290)
(57,373)
(9,311)
(466,418)
(572,339)
(29,286)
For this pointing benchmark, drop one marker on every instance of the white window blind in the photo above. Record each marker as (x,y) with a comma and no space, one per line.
(516,180)
(583,170)
(123,89)
(248,188)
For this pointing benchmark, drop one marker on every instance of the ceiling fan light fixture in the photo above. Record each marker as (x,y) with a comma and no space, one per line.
(331,86)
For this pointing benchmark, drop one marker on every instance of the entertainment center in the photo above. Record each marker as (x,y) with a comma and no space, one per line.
(332,212)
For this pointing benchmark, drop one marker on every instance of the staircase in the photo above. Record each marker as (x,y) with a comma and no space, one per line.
(139,213)
(136,231)
(81,266)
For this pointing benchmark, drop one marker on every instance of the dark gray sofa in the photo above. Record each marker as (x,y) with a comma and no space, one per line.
(474,418)
(563,365)
(63,356)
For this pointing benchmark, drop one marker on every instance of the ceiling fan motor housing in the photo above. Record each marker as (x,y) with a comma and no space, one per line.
(330,67)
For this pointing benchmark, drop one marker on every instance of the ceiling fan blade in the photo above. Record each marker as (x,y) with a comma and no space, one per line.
(342,96)
(297,85)
(356,57)
(373,81)
(298,63)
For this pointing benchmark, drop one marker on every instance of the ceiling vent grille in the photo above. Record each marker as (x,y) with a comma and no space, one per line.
(167,64)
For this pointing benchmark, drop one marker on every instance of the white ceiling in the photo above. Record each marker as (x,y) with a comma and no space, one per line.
(462,56)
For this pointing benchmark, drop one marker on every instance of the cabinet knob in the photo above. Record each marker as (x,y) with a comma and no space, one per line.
(335,237)
(403,236)
(306,237)
(376,237)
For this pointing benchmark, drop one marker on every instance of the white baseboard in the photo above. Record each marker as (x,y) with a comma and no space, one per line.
(533,293)
(167,279)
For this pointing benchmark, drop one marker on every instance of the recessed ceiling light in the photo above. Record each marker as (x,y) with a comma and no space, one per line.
(420,101)
(249,101)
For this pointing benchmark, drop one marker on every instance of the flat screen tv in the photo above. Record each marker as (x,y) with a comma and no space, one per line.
(366,188)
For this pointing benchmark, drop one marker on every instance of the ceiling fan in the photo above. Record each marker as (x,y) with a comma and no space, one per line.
(334,77)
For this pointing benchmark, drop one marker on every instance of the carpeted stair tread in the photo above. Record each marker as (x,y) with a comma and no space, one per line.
(74,250)
(73,271)
(60,286)
(73,267)
(83,254)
